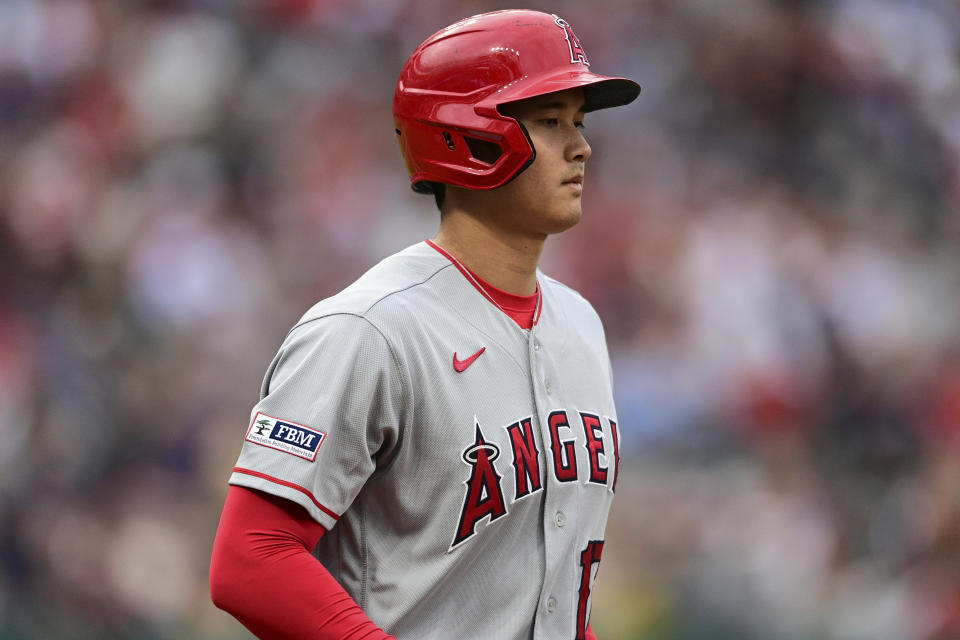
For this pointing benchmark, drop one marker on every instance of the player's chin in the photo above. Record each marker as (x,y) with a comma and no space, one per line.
(568,219)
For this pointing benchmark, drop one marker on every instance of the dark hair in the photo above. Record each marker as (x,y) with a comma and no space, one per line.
(439,191)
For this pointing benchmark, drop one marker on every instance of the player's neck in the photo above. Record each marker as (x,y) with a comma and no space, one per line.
(505,260)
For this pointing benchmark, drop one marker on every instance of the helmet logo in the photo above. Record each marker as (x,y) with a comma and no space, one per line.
(577,54)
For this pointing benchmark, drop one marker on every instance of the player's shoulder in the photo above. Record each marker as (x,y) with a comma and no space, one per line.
(569,299)
(566,310)
(393,281)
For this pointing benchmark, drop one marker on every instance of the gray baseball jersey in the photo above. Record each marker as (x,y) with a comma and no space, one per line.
(463,467)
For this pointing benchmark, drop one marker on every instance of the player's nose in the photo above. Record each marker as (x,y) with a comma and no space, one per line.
(578,149)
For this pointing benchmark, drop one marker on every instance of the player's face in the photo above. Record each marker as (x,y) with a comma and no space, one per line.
(545,198)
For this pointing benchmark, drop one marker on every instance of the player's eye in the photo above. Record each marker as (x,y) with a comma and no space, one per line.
(580,125)
(550,122)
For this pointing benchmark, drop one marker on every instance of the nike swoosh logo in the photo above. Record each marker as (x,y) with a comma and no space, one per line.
(461,365)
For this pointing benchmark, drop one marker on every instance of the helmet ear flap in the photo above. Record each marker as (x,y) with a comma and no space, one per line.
(484,154)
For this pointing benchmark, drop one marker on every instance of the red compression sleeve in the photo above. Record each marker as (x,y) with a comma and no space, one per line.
(262,573)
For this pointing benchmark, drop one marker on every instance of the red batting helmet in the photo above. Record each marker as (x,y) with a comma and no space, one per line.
(445,106)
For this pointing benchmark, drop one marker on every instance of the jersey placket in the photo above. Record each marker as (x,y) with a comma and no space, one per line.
(553,617)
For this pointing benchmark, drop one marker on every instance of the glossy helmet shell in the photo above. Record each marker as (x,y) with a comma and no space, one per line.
(446,103)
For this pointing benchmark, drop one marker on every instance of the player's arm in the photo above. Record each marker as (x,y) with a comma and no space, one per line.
(262,573)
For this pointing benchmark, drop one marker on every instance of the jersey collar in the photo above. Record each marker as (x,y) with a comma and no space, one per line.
(479,285)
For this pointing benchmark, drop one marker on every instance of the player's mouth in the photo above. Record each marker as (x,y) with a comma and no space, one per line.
(576,182)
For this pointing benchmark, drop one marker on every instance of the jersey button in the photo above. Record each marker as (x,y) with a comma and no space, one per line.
(560,519)
(536,346)
(546,387)
(551,605)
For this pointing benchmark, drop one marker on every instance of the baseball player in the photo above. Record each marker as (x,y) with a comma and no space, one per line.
(441,434)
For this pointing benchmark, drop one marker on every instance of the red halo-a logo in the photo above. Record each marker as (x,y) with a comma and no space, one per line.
(577,54)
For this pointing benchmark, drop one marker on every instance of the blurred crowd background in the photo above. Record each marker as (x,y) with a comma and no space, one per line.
(770,236)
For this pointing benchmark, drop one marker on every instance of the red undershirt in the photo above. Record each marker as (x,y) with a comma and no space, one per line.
(262,570)
(520,308)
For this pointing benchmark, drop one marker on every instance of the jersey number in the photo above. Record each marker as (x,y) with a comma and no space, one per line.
(588,557)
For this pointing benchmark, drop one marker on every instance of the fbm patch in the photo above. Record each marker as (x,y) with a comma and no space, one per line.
(288,437)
